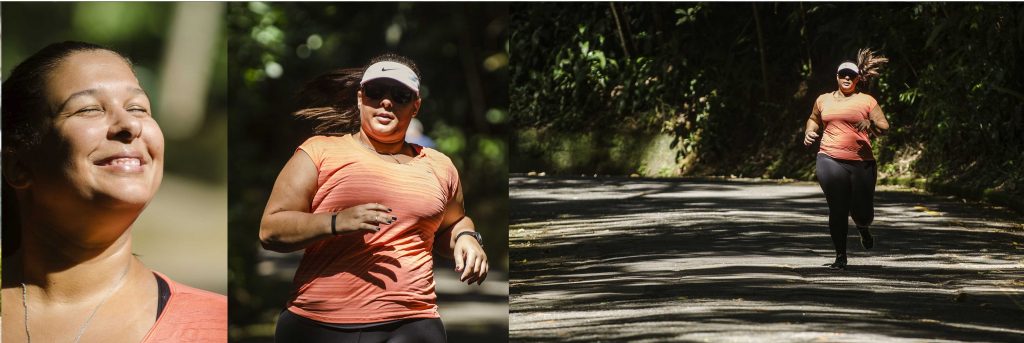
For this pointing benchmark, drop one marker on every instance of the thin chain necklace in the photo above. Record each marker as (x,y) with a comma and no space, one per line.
(370,147)
(81,330)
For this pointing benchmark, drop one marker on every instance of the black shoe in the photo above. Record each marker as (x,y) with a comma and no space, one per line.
(866,240)
(839,264)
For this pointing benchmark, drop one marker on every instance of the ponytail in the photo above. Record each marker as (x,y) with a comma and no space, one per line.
(869,63)
(330,101)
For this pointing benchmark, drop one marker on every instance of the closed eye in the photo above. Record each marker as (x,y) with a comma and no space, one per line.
(89,110)
(138,109)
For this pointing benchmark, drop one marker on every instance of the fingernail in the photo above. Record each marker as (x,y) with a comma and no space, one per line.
(394,218)
(378,228)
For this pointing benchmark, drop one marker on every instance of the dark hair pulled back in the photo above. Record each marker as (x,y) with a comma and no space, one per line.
(330,99)
(25,113)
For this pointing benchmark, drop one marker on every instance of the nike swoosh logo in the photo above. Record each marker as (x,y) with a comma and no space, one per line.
(386,69)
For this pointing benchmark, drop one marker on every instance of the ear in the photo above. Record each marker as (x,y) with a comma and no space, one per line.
(416,107)
(15,171)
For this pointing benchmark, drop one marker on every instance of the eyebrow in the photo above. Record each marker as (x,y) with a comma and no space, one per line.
(92,92)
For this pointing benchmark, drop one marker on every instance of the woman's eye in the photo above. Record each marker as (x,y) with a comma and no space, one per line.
(89,110)
(138,110)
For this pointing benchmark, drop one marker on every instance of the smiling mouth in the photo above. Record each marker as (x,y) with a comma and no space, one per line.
(122,164)
(125,162)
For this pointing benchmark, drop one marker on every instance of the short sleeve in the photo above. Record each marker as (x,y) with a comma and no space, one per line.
(447,174)
(453,181)
(314,147)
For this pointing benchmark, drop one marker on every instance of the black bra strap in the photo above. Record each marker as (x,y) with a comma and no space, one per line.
(163,293)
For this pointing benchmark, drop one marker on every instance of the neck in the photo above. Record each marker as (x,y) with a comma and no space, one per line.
(70,268)
(390,148)
(847,93)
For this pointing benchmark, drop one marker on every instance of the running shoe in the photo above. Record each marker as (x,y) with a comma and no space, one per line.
(866,240)
(839,264)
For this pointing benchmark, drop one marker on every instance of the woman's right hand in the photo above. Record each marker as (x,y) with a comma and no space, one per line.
(810,137)
(367,217)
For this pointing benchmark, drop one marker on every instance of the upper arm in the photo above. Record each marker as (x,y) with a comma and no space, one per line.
(455,209)
(816,112)
(876,115)
(295,186)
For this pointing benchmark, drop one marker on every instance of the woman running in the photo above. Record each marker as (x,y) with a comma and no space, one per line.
(845,164)
(369,209)
(82,156)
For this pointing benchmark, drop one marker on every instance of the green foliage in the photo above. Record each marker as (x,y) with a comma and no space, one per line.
(952,90)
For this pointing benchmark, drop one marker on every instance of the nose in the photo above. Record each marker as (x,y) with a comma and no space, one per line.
(386,102)
(124,126)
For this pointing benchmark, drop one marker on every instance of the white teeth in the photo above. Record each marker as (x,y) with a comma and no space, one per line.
(126,162)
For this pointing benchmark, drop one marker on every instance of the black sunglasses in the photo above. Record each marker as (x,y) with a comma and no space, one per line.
(846,72)
(401,95)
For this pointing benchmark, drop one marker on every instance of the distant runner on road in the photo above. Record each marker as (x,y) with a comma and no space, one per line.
(845,166)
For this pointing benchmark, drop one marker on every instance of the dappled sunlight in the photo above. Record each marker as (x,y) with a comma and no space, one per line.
(659,267)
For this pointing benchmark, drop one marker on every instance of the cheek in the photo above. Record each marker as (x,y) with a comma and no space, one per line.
(154,139)
(80,138)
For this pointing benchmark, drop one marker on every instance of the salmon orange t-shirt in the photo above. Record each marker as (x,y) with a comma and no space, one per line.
(370,277)
(841,139)
(190,315)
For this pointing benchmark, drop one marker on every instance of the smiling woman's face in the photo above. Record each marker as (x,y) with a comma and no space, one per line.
(102,145)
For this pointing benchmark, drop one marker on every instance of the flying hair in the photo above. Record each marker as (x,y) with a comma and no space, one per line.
(870,63)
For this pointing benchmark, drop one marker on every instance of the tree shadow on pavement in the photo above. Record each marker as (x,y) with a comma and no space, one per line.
(634,259)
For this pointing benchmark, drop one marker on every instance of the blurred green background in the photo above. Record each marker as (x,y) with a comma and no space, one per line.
(180,55)
(462,52)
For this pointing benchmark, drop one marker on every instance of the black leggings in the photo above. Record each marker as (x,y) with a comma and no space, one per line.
(294,328)
(849,188)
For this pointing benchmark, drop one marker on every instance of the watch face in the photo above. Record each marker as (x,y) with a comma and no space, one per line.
(479,238)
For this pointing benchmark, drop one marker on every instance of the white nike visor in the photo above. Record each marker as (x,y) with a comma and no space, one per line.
(392,70)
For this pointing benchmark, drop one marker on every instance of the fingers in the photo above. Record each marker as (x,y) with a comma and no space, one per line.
(483,275)
(482,268)
(376,218)
(460,258)
(368,227)
(473,264)
(376,207)
(809,138)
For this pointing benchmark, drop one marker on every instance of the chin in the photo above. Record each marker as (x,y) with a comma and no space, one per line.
(127,194)
(386,134)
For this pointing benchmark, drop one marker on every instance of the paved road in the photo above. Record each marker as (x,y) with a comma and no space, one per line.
(612,259)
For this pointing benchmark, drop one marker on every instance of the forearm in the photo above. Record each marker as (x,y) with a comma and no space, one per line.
(287,231)
(811,126)
(444,244)
(461,226)
(878,121)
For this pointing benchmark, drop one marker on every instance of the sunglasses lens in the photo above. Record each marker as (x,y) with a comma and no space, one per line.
(847,74)
(373,91)
(399,95)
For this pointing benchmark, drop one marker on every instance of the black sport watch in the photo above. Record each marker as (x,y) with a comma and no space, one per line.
(474,234)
